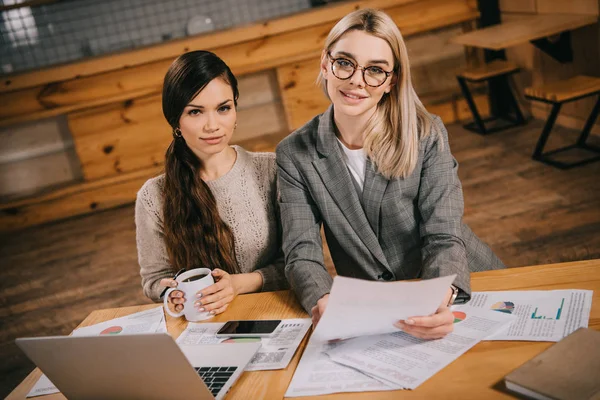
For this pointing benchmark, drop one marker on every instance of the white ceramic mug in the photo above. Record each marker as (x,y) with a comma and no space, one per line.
(190,282)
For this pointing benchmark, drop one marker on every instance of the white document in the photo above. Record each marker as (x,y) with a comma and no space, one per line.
(275,352)
(541,315)
(407,361)
(316,374)
(149,321)
(359,307)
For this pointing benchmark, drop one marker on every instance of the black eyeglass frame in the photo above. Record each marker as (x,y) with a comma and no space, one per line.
(362,68)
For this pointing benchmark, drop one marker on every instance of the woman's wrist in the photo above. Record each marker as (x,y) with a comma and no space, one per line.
(247,283)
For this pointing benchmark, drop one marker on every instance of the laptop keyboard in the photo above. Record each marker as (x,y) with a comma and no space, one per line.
(215,377)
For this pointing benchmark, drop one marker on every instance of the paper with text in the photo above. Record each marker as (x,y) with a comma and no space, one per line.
(316,374)
(541,315)
(275,352)
(407,361)
(359,307)
(149,321)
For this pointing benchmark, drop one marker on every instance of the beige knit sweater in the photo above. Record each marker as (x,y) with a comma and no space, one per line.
(247,201)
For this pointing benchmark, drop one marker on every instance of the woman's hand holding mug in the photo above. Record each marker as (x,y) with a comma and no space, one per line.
(182,293)
(176,297)
(216,298)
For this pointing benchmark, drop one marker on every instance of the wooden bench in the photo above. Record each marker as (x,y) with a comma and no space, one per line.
(499,70)
(558,93)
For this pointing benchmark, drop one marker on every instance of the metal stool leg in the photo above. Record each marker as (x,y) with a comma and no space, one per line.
(513,102)
(589,123)
(467,93)
(539,148)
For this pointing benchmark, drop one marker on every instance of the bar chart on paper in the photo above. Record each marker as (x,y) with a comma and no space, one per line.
(540,315)
(552,314)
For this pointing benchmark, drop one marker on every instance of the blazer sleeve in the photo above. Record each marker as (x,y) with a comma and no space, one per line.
(301,240)
(441,206)
(152,251)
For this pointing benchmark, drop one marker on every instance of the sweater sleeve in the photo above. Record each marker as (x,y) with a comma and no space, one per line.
(273,274)
(152,252)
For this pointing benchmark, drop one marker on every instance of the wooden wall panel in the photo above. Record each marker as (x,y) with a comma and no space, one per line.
(518,6)
(302,98)
(133,135)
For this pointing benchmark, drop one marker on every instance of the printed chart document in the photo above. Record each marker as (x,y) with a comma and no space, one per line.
(316,374)
(359,307)
(406,361)
(541,315)
(149,321)
(276,352)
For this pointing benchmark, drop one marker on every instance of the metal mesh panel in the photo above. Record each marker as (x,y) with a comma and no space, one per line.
(69,30)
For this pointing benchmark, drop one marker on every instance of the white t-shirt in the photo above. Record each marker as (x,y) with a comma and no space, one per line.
(356,160)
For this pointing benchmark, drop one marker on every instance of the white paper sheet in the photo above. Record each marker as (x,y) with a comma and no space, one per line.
(276,352)
(316,374)
(149,321)
(359,307)
(541,315)
(407,361)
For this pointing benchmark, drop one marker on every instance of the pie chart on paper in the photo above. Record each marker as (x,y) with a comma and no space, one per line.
(459,316)
(506,307)
(113,330)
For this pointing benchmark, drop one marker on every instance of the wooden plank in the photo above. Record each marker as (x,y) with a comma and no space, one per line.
(509,34)
(566,89)
(243,58)
(494,68)
(588,7)
(172,49)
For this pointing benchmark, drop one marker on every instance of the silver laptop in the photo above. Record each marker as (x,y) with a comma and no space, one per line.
(146,366)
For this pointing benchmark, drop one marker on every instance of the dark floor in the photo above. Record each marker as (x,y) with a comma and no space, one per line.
(53,276)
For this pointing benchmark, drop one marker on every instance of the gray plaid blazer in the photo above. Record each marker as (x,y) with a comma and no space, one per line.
(399,229)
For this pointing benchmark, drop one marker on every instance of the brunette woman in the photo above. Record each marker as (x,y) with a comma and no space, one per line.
(216,205)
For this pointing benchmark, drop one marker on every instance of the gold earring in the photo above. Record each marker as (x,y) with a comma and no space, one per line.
(235,126)
(177,133)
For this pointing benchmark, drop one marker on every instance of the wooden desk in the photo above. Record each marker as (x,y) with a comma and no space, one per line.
(475,374)
(512,33)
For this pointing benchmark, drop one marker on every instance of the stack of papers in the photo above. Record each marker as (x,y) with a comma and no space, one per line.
(149,321)
(390,361)
(275,352)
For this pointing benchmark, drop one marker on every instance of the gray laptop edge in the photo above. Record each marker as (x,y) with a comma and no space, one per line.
(146,366)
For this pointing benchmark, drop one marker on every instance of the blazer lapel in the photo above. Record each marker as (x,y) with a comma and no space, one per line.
(336,178)
(375,186)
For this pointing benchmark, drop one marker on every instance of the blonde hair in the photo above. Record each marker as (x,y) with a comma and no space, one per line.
(391,138)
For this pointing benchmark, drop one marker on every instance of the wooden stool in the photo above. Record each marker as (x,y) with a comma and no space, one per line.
(498,69)
(558,93)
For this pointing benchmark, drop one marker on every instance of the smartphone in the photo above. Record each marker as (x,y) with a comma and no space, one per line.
(249,328)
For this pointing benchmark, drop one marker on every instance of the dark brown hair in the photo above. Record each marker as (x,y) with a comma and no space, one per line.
(195,234)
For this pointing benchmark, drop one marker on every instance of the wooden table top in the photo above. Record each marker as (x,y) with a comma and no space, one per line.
(478,373)
(512,33)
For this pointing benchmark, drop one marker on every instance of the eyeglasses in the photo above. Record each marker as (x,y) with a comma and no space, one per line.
(343,69)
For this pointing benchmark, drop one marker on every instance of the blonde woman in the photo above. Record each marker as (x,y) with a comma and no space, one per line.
(376,171)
